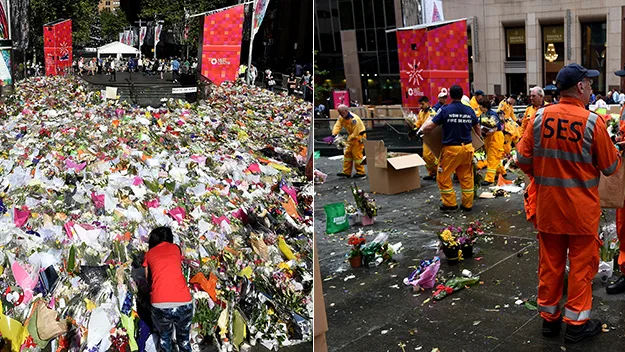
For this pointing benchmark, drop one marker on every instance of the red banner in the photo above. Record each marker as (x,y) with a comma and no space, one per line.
(221,45)
(340,97)
(57,47)
(431,59)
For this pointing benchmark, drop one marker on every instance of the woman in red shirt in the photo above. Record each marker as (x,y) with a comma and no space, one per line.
(172,304)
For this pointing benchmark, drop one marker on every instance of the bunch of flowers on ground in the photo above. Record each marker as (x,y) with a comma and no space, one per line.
(365,204)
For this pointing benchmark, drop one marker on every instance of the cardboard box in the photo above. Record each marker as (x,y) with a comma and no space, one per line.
(391,175)
(434,140)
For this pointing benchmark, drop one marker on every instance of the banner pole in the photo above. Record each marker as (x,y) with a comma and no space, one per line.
(249,58)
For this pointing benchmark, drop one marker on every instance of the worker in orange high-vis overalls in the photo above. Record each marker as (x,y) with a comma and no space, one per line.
(619,285)
(431,161)
(457,120)
(354,153)
(492,128)
(565,150)
(537,101)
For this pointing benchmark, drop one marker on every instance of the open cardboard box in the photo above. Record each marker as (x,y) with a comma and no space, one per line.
(391,175)
(434,140)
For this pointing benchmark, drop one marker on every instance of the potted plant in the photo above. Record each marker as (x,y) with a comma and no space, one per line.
(355,254)
(467,238)
(450,244)
(366,205)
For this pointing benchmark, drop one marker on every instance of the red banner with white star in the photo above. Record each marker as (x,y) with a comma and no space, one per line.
(431,59)
(57,47)
(221,45)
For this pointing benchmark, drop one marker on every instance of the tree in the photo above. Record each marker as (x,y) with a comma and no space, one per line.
(321,90)
(112,24)
(172,12)
(82,13)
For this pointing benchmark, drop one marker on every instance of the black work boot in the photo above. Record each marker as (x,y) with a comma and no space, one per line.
(616,287)
(465,209)
(446,208)
(340,174)
(429,178)
(487,184)
(360,175)
(577,333)
(552,328)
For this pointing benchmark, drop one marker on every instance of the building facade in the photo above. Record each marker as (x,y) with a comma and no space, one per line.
(513,44)
(520,44)
(352,44)
(110,5)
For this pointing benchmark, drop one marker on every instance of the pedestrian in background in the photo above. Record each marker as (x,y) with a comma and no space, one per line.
(291,83)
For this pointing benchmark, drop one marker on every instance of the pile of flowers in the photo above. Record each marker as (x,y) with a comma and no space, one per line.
(365,204)
(84,180)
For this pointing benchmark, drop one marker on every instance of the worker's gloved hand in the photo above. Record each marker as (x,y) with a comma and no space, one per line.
(329,140)
(412,134)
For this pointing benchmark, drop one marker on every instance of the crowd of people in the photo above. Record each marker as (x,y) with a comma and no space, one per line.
(299,82)
(562,147)
(145,65)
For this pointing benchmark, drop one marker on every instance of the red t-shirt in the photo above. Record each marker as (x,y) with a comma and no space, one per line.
(164,263)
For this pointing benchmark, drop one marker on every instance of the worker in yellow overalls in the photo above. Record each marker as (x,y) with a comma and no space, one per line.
(431,160)
(506,107)
(475,102)
(354,152)
(492,128)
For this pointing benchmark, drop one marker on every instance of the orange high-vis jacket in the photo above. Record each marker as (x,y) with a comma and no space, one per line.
(621,123)
(564,150)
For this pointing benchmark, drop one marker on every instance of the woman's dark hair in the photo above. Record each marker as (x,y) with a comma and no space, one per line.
(484,103)
(159,235)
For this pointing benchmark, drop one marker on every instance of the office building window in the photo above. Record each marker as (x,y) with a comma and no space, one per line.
(553,52)
(593,52)
(346,12)
(515,44)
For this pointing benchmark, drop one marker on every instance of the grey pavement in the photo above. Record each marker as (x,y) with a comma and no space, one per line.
(374,311)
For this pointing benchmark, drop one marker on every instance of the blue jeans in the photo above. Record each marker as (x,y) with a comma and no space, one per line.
(164,321)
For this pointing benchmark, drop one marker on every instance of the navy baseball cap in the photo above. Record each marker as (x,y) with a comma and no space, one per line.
(571,74)
(479,92)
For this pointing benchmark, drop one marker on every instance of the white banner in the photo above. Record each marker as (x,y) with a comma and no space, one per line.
(142,33)
(157,34)
(183,90)
(433,11)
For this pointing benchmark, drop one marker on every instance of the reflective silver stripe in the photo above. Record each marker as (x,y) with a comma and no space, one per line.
(523,160)
(581,316)
(538,121)
(566,182)
(549,309)
(589,133)
(563,155)
(610,169)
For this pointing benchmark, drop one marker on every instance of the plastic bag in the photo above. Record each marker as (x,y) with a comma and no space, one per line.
(336,219)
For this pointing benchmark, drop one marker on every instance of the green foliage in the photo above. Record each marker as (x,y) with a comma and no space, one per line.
(206,317)
(172,12)
(83,14)
(112,24)
(321,90)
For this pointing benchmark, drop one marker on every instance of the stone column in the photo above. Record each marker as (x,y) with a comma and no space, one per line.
(351,64)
